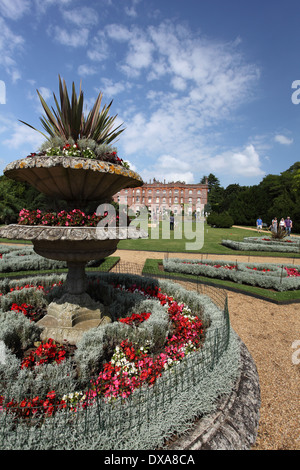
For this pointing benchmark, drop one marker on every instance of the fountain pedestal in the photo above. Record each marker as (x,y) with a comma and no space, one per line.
(70,316)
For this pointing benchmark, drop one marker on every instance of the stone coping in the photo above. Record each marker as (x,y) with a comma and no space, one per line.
(234,424)
(73,233)
(75,163)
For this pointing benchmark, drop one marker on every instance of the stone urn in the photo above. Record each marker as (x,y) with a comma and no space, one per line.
(78,181)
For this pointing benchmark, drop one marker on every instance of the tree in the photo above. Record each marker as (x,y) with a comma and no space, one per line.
(215,191)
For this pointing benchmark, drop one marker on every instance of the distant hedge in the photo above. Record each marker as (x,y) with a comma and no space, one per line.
(223,220)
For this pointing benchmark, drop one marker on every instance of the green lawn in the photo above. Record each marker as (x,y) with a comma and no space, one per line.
(212,243)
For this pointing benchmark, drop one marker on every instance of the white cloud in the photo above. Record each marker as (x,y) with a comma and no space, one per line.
(111,89)
(281,139)
(74,38)
(118,32)
(96,56)
(83,16)
(15,9)
(140,48)
(131,10)
(42,5)
(98,49)
(45,92)
(169,168)
(10,44)
(86,70)
(245,162)
(22,137)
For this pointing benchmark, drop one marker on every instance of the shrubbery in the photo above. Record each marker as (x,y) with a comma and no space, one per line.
(223,220)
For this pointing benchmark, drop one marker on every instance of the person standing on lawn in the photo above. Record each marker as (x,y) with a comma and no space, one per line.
(259,223)
(288,225)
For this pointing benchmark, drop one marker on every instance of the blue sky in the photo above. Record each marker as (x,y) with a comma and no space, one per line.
(202,86)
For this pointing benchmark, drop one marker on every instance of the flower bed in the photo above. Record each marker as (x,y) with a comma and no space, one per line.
(74,218)
(152,336)
(287,245)
(81,149)
(266,275)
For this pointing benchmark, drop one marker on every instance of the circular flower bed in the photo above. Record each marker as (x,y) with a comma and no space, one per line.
(152,334)
(130,365)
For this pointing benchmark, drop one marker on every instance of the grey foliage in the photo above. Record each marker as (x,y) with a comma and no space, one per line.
(258,245)
(276,278)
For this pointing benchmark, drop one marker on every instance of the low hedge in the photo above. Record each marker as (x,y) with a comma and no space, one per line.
(265,275)
(261,246)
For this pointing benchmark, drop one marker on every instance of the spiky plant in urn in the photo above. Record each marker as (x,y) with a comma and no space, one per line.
(76,164)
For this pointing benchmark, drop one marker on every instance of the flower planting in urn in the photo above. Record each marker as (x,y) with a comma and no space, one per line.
(76,164)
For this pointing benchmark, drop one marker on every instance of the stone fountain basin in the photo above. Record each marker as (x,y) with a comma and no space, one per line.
(72,244)
(73,178)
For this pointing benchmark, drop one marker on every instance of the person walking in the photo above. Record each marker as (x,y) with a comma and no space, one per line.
(171,222)
(282,224)
(259,223)
(288,225)
(274,225)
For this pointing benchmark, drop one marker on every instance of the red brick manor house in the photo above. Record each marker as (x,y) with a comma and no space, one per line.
(164,197)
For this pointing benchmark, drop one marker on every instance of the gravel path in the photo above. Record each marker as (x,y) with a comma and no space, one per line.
(272,335)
